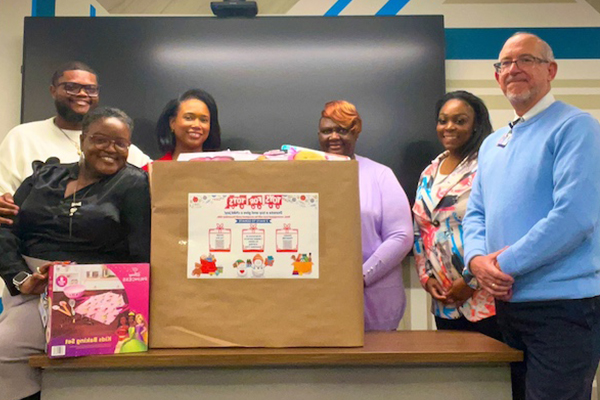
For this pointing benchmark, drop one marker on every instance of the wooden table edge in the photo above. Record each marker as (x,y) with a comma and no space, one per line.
(412,348)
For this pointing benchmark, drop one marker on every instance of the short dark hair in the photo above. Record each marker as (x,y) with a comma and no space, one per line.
(71,66)
(166,137)
(482,126)
(103,113)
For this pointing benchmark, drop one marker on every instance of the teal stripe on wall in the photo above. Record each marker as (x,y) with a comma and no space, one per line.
(392,7)
(337,8)
(485,43)
(43,8)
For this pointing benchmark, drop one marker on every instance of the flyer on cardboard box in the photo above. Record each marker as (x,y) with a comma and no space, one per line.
(253,235)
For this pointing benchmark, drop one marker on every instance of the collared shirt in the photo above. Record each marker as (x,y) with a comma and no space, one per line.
(540,106)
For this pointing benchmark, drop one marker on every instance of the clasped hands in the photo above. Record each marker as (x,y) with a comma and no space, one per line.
(457,294)
(490,277)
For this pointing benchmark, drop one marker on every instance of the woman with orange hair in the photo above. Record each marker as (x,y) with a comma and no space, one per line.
(385,219)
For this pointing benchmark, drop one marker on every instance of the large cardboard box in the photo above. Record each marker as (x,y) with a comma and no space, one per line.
(322,307)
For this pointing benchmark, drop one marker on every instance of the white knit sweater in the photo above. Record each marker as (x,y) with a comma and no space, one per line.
(41,140)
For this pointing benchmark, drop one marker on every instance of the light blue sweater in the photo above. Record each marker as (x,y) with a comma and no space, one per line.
(540,196)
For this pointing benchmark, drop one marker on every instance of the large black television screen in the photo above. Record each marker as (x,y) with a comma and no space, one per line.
(270,76)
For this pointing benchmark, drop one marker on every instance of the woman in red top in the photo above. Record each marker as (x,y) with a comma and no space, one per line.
(188,124)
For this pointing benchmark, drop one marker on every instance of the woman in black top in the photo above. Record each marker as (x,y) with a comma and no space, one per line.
(94,211)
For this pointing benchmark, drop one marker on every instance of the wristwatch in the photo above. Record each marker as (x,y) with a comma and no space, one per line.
(20,279)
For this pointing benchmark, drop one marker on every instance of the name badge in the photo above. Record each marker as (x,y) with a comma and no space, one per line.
(505,139)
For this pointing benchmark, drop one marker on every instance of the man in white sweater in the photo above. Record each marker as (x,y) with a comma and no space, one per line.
(75,92)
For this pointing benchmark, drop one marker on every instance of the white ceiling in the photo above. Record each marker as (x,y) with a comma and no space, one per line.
(185,7)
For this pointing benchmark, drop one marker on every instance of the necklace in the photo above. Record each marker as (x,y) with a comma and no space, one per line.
(75,206)
(74,143)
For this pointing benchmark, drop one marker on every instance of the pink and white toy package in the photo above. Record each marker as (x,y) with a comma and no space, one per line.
(97,309)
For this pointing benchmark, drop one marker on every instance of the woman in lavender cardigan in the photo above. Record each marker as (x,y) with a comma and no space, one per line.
(385,219)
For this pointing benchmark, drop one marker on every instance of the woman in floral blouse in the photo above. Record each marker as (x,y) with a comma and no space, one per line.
(442,194)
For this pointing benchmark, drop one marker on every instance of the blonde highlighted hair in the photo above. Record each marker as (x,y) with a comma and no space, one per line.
(344,114)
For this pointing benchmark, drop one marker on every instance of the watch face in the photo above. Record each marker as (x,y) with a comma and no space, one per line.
(21,277)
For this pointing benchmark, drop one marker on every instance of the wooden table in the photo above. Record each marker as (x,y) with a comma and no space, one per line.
(391,365)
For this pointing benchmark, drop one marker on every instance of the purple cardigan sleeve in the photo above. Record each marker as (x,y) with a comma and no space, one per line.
(396,229)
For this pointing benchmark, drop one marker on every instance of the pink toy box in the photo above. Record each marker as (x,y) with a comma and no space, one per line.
(97,309)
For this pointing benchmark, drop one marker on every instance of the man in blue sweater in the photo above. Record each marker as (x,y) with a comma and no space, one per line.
(532,236)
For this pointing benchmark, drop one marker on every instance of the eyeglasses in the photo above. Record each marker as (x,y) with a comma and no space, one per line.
(339,130)
(102,142)
(523,62)
(73,89)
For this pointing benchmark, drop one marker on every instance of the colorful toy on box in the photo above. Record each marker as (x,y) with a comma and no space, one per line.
(97,309)
(287,152)
(303,153)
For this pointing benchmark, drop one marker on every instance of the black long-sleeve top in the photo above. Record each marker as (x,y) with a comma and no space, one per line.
(112,225)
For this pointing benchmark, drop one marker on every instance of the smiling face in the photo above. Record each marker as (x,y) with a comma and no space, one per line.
(105,160)
(191,126)
(258,270)
(333,138)
(455,125)
(525,86)
(73,107)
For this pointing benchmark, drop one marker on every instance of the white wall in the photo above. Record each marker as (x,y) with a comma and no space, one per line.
(12,13)
(78,8)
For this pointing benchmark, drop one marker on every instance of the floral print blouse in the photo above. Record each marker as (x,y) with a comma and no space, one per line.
(438,213)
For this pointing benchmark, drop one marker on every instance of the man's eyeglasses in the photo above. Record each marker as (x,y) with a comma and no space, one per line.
(339,130)
(102,142)
(523,62)
(73,89)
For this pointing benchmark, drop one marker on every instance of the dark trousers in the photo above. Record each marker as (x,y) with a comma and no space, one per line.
(487,326)
(561,344)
